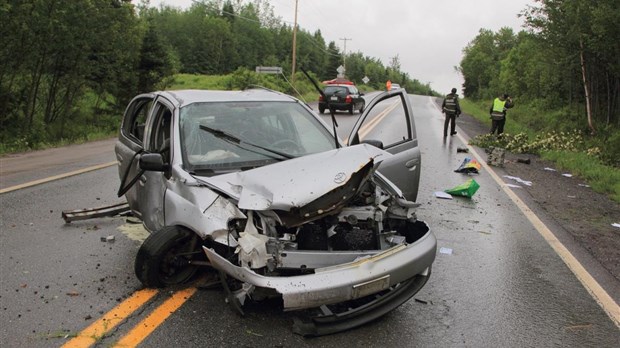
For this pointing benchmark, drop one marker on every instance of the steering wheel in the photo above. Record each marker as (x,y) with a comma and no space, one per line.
(287,144)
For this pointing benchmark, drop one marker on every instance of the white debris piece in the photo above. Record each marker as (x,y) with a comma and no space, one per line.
(443,195)
(583,185)
(567,175)
(519,180)
(550,169)
(616,225)
(513,186)
(444,250)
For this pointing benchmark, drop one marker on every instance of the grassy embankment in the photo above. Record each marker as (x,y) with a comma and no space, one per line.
(82,130)
(570,150)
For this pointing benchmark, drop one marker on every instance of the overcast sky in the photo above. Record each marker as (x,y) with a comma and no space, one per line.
(427,35)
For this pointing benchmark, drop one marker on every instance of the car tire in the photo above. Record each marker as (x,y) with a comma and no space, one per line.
(321,110)
(163,258)
(362,108)
(351,109)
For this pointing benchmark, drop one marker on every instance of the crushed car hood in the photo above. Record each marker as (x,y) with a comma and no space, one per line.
(319,182)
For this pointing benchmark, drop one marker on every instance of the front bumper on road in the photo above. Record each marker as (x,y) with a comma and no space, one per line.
(342,282)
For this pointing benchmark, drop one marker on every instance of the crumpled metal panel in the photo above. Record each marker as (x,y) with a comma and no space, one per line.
(295,183)
(198,207)
(342,282)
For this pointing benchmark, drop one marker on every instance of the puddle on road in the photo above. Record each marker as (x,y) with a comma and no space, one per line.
(134,231)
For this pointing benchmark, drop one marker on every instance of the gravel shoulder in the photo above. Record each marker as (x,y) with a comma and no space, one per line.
(580,217)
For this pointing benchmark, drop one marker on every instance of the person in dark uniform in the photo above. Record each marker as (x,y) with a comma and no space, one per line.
(452,109)
(498,113)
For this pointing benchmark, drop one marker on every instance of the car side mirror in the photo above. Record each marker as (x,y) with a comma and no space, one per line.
(153,162)
(373,142)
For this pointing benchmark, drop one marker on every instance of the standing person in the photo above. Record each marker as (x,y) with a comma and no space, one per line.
(388,85)
(452,109)
(498,113)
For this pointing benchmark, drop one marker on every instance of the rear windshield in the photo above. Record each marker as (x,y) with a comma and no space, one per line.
(336,90)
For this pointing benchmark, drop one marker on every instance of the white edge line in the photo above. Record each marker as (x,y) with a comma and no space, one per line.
(592,286)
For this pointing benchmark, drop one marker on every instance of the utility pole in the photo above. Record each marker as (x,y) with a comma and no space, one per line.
(294,45)
(344,55)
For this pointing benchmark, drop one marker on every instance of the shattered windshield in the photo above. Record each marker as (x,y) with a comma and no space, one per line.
(284,127)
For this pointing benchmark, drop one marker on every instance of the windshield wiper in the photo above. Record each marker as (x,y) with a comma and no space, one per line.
(218,133)
(331,111)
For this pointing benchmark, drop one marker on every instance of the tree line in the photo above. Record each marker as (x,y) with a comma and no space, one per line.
(566,60)
(68,68)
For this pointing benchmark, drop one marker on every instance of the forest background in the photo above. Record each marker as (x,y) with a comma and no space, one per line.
(69,68)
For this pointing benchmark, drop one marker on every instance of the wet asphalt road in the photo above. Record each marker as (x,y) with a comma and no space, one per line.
(501,285)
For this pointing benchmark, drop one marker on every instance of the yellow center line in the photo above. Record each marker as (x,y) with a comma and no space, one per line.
(592,286)
(366,128)
(156,318)
(57,177)
(110,320)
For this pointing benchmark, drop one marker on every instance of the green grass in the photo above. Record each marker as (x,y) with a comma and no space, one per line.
(189,81)
(225,82)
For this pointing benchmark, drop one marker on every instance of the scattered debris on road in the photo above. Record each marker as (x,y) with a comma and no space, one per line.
(90,213)
(469,166)
(519,180)
(466,189)
(496,156)
(444,250)
(616,225)
(462,149)
(108,239)
(567,175)
(550,169)
(443,195)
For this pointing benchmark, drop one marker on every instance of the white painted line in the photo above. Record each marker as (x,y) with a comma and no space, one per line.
(57,177)
(592,286)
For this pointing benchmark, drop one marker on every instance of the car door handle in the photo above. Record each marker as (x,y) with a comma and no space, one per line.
(412,163)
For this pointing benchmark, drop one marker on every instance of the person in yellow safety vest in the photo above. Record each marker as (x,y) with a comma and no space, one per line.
(452,109)
(498,113)
(388,85)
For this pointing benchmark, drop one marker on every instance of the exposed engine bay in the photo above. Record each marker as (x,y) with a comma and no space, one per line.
(370,222)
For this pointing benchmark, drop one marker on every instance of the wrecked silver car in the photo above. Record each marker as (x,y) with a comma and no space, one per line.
(257,186)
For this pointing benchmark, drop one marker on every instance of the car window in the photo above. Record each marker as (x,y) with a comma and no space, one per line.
(282,126)
(160,136)
(390,123)
(335,90)
(134,122)
(352,90)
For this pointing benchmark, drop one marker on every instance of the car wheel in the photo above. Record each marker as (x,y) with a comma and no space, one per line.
(164,257)
(321,110)
(351,109)
(362,108)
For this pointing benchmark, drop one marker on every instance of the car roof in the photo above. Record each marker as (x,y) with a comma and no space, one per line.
(190,96)
(339,85)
